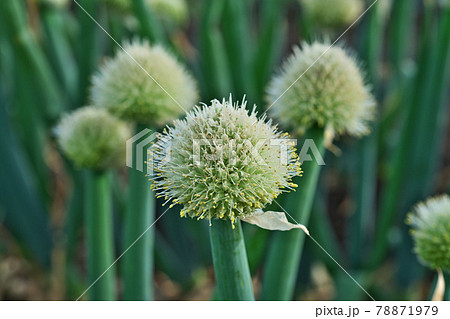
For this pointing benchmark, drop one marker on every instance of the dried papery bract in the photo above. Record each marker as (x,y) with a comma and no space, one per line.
(224,162)
(144,84)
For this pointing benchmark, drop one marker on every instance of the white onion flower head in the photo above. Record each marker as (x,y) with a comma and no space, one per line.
(333,13)
(123,85)
(224,162)
(92,138)
(324,87)
(431,231)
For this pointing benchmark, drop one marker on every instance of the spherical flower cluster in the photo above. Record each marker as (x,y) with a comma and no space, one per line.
(333,13)
(431,231)
(144,84)
(222,162)
(92,138)
(321,86)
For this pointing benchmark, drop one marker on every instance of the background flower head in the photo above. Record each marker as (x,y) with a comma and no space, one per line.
(144,84)
(332,13)
(235,168)
(321,86)
(93,138)
(431,231)
(170,10)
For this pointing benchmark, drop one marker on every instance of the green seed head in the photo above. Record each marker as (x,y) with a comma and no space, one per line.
(124,86)
(321,86)
(222,162)
(431,231)
(92,138)
(332,13)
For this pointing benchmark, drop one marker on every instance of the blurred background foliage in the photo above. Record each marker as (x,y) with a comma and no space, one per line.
(49,50)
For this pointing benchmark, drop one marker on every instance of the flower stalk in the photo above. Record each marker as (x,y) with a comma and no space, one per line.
(140,213)
(286,247)
(231,269)
(99,241)
(93,139)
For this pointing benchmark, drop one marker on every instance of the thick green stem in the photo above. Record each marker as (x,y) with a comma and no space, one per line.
(233,278)
(286,248)
(74,220)
(140,214)
(99,230)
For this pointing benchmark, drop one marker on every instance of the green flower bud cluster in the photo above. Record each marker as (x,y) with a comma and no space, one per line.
(144,84)
(431,231)
(321,86)
(92,138)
